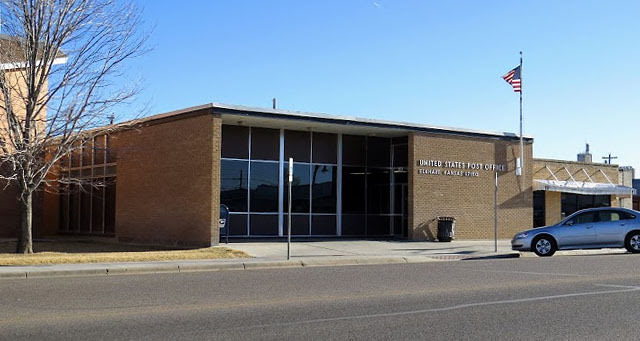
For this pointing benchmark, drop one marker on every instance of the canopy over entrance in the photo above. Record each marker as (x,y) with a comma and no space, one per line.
(580,187)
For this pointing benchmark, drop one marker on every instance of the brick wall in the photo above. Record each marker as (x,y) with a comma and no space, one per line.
(9,212)
(552,207)
(9,205)
(470,199)
(167,188)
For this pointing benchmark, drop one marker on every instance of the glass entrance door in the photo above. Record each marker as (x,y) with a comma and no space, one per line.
(400,219)
(400,203)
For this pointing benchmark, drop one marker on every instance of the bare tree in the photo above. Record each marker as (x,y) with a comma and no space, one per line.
(62,65)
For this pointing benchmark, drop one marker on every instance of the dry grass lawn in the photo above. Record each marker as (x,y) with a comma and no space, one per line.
(66,251)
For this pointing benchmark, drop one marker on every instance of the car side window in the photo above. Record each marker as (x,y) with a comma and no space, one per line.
(626,216)
(609,216)
(615,216)
(585,218)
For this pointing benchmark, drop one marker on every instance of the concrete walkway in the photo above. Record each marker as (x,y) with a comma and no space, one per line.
(368,248)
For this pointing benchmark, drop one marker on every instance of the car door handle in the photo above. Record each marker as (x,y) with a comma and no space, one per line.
(589,226)
(622,224)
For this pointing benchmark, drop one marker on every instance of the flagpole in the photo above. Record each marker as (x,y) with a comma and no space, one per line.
(521,137)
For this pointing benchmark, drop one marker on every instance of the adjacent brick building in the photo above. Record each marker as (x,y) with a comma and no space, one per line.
(563,187)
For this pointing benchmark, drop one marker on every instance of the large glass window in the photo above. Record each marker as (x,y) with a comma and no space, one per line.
(400,191)
(353,190)
(324,189)
(378,225)
(325,148)
(264,225)
(237,224)
(110,206)
(400,153)
(299,224)
(323,225)
(297,144)
(574,202)
(250,182)
(265,144)
(353,224)
(97,218)
(99,153)
(378,191)
(235,142)
(299,188)
(353,150)
(89,208)
(601,201)
(264,187)
(378,153)
(233,184)
(538,208)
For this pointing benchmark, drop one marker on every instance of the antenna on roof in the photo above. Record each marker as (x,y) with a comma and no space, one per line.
(274,103)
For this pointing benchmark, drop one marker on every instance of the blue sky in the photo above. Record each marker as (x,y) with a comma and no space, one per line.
(432,62)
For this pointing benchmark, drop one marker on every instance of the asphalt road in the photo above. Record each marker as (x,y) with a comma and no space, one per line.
(568,298)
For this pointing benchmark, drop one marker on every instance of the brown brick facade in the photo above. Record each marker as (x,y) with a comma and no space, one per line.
(167,182)
(470,199)
(9,212)
(552,207)
(9,205)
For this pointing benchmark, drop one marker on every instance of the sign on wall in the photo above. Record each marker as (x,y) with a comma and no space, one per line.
(457,168)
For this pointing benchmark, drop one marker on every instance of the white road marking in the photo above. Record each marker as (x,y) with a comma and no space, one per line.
(619,289)
(533,273)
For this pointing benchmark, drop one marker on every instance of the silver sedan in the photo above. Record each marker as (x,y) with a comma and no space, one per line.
(593,228)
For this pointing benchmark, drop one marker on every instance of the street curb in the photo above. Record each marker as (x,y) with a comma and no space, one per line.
(60,273)
(272,264)
(210,267)
(141,268)
(500,256)
(13,275)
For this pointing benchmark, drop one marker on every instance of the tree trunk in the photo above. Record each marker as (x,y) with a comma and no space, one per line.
(25,241)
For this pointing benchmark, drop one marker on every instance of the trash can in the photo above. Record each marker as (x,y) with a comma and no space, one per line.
(446,229)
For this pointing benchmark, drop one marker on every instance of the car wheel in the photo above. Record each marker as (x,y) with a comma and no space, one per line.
(544,246)
(633,242)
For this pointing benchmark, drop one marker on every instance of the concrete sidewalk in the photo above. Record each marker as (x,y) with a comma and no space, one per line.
(304,254)
(456,249)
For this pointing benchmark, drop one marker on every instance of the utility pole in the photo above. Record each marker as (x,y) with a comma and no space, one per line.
(607,159)
(495,215)
(289,211)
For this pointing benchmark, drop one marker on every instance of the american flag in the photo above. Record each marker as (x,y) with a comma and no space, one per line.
(513,77)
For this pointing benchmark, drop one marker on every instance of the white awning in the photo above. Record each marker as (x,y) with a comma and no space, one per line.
(579,187)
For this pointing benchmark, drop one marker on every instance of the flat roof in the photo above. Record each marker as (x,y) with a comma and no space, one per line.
(321,122)
(569,162)
(249,115)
